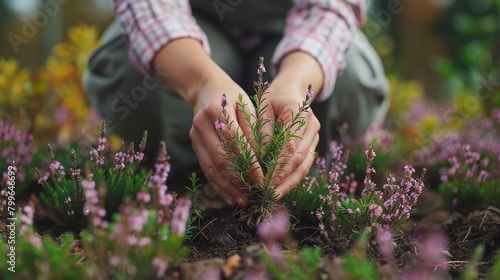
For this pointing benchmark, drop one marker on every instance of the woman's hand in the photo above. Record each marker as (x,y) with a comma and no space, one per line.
(206,141)
(286,93)
(282,100)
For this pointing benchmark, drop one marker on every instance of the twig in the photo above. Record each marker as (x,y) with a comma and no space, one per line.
(201,230)
(467,235)
(484,218)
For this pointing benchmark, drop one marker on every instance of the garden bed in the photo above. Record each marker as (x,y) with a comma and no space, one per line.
(225,247)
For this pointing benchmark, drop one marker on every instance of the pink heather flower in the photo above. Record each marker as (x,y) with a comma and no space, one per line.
(275,226)
(320,214)
(137,221)
(120,159)
(159,266)
(166,200)
(485,162)
(55,166)
(495,114)
(139,156)
(180,216)
(384,240)
(43,179)
(102,141)
(370,154)
(433,250)
(75,172)
(483,176)
(322,230)
(261,70)
(27,218)
(220,126)
(223,101)
(309,92)
(376,210)
(333,175)
(144,241)
(143,196)
(35,240)
(114,260)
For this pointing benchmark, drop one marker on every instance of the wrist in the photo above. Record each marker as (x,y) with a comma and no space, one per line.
(184,66)
(297,70)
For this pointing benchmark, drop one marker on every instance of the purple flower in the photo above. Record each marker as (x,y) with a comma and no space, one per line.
(114,260)
(219,125)
(180,216)
(223,100)
(27,218)
(376,210)
(35,240)
(384,240)
(55,166)
(261,70)
(370,154)
(143,196)
(275,226)
(309,92)
(159,266)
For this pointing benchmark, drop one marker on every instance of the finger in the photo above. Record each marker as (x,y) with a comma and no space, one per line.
(298,149)
(214,163)
(293,178)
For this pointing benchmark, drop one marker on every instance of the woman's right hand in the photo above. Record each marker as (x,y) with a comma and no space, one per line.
(206,141)
(189,71)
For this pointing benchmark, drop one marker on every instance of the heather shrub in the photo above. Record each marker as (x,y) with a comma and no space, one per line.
(468,164)
(341,210)
(65,195)
(381,140)
(261,148)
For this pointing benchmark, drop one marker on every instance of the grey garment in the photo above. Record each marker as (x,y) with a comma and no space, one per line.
(131,103)
(248,16)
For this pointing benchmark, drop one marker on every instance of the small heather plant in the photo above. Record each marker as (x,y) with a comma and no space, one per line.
(65,193)
(467,183)
(194,192)
(341,210)
(468,164)
(261,148)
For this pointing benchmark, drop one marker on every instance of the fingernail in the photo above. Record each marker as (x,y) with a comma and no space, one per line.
(279,195)
(241,202)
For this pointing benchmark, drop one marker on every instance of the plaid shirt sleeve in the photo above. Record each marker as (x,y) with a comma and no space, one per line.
(324,29)
(152,24)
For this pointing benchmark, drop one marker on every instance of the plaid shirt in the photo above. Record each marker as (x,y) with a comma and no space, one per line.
(322,28)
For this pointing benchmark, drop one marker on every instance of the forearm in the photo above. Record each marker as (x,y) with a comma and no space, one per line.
(296,71)
(323,29)
(185,66)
